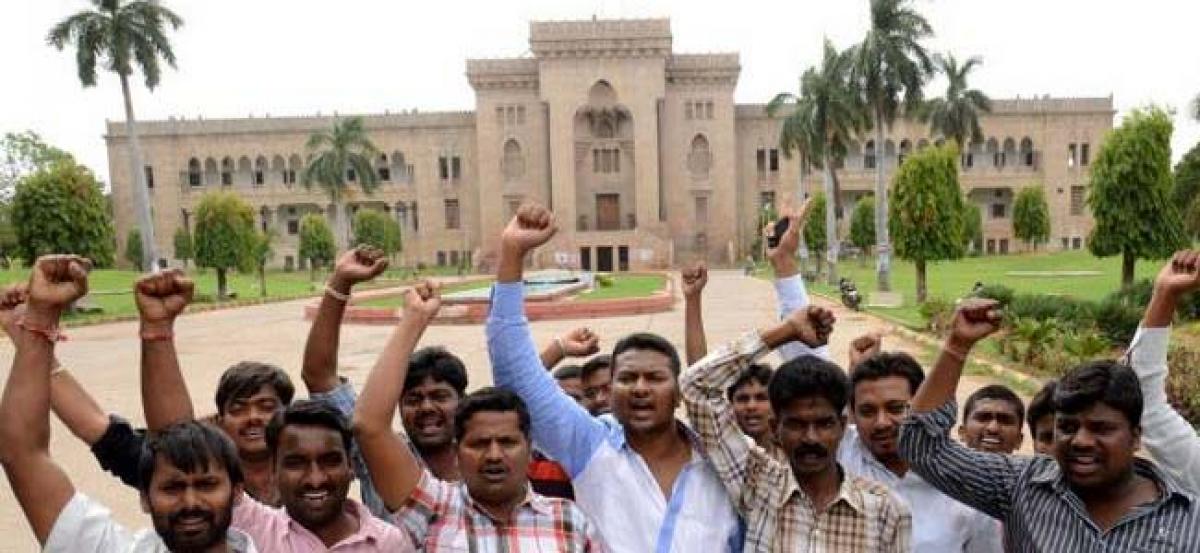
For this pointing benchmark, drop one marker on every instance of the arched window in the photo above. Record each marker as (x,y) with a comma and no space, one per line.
(193,172)
(227,171)
(1027,151)
(993,149)
(260,171)
(869,155)
(922,144)
(244,173)
(278,167)
(905,149)
(295,165)
(210,171)
(382,169)
(512,165)
(400,170)
(700,158)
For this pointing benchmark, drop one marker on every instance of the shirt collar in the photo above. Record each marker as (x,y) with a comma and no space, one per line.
(848,490)
(368,526)
(534,501)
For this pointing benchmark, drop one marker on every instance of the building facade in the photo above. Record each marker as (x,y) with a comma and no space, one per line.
(641,152)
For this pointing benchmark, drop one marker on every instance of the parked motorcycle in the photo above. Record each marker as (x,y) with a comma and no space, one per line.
(850,296)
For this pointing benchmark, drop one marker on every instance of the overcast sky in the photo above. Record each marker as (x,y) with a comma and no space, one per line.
(291,57)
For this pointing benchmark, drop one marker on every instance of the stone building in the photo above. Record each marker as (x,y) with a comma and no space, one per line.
(641,152)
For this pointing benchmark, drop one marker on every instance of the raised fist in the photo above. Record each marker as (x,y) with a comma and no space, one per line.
(694,279)
(974,320)
(423,300)
(57,281)
(580,342)
(789,243)
(12,300)
(357,265)
(532,226)
(161,297)
(1181,274)
(865,346)
(811,325)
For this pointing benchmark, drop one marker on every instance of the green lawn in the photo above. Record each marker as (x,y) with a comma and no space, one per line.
(953,279)
(625,286)
(111,290)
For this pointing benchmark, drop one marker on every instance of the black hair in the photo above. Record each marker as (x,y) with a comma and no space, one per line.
(567,372)
(597,363)
(1105,381)
(1041,405)
(998,392)
(308,412)
(190,446)
(650,342)
(885,364)
(439,365)
(808,376)
(490,399)
(247,378)
(756,372)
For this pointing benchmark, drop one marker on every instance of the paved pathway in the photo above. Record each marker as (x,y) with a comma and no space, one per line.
(105,359)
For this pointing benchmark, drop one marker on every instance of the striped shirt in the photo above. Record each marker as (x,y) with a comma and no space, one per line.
(1031,496)
(442,517)
(864,516)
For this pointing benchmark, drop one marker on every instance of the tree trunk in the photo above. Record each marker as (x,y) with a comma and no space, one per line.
(862,258)
(1127,263)
(139,194)
(831,238)
(882,246)
(921,291)
(312,270)
(341,228)
(222,290)
(262,280)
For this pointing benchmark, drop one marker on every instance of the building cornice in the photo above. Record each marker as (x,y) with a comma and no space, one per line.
(601,38)
(291,124)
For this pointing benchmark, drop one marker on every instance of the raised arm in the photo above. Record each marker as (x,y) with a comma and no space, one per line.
(394,469)
(160,298)
(578,342)
(561,427)
(319,369)
(1166,434)
(748,472)
(42,488)
(978,479)
(693,280)
(789,284)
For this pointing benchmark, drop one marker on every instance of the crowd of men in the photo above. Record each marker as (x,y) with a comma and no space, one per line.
(808,456)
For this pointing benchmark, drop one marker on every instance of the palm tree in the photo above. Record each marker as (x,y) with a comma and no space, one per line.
(337,157)
(891,66)
(825,115)
(956,115)
(1196,107)
(121,33)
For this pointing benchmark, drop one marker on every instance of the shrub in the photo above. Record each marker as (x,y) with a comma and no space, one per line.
(998,292)
(1071,313)
(1183,382)
(1117,320)
(938,314)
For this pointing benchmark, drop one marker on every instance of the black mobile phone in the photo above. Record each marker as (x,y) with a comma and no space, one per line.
(781,226)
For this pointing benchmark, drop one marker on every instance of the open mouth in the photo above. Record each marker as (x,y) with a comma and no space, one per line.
(253,434)
(990,442)
(430,425)
(191,524)
(1083,464)
(494,473)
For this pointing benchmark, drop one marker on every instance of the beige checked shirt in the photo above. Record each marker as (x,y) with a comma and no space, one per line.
(865,516)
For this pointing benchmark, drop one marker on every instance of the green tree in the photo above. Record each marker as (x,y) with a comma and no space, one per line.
(1130,193)
(1196,107)
(394,239)
(224,235)
(316,242)
(814,229)
(120,34)
(1187,189)
(972,226)
(926,211)
(862,227)
(371,228)
(22,154)
(340,156)
(184,247)
(1031,216)
(956,115)
(891,66)
(61,209)
(133,249)
(824,116)
(262,251)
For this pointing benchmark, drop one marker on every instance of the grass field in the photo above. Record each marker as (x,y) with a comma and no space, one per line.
(625,286)
(111,290)
(953,279)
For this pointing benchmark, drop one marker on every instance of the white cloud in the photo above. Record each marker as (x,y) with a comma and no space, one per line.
(286,57)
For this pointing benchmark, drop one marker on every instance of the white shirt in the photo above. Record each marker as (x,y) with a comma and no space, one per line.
(86,525)
(939,522)
(1167,435)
